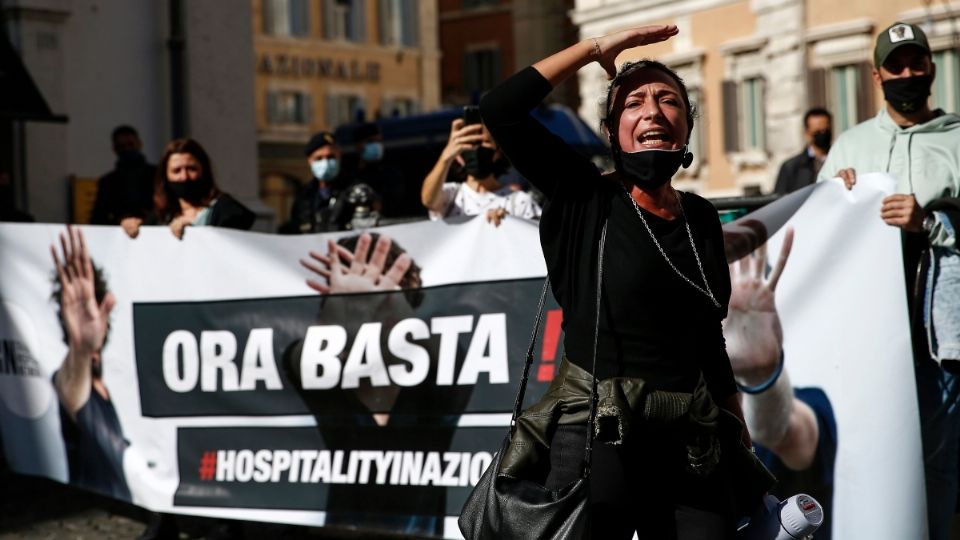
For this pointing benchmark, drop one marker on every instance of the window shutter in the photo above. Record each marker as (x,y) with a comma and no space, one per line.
(731,118)
(329,23)
(816,87)
(469,71)
(307,112)
(332,111)
(383,21)
(271,107)
(496,70)
(299,18)
(865,104)
(358,18)
(762,112)
(267,13)
(411,23)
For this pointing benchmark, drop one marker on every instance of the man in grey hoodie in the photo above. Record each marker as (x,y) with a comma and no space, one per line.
(921,148)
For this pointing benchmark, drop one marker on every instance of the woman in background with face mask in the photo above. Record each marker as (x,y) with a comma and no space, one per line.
(657,332)
(185,192)
(478,159)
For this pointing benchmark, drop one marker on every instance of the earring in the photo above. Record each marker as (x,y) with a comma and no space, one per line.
(687,159)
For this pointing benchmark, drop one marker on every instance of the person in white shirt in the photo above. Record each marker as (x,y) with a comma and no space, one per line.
(474,150)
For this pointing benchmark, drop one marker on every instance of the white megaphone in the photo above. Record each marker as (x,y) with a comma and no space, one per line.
(795,518)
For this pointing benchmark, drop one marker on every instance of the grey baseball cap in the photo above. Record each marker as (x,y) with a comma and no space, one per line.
(895,36)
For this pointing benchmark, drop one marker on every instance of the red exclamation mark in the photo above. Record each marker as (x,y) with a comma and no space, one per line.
(551,339)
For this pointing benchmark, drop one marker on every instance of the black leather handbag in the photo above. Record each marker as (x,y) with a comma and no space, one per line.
(504,507)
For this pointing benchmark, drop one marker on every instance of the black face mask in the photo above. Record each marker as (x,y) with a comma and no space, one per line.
(907,95)
(191,190)
(129,157)
(822,139)
(652,168)
(478,162)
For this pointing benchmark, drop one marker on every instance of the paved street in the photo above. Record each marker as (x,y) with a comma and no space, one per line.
(35,508)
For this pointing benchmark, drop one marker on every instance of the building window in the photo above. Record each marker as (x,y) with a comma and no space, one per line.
(394,107)
(286,17)
(345,20)
(697,139)
(344,109)
(474,4)
(289,107)
(846,90)
(481,70)
(752,120)
(843,96)
(946,85)
(398,22)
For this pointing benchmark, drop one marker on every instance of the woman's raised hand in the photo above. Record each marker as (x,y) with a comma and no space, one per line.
(611,45)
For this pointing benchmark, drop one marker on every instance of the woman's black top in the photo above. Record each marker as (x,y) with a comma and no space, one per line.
(653,324)
(231,214)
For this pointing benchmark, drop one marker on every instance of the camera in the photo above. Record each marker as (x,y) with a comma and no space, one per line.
(795,518)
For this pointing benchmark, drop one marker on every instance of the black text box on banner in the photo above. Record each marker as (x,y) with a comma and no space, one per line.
(439,351)
(387,477)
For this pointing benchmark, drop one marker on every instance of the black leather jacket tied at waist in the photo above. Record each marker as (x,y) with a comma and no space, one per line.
(622,402)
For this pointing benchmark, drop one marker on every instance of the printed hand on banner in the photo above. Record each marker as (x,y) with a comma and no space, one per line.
(347,272)
(85,322)
(752,328)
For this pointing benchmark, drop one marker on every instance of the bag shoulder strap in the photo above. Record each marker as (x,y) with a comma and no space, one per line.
(533,344)
(594,397)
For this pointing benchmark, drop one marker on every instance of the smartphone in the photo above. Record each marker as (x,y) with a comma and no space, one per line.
(471,115)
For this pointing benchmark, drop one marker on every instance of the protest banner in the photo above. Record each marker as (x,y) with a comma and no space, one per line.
(240,392)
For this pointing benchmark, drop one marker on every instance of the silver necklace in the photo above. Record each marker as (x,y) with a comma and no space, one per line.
(706,291)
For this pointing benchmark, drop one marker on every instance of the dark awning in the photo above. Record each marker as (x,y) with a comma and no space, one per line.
(20,99)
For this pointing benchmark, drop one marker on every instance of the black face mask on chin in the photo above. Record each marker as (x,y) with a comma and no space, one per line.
(907,95)
(652,168)
(478,162)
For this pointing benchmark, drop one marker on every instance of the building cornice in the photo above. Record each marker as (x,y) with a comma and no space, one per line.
(315,44)
(937,12)
(862,25)
(743,45)
(680,58)
(627,13)
(460,14)
(61,7)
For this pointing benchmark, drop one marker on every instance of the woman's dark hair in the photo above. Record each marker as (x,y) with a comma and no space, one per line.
(610,118)
(165,203)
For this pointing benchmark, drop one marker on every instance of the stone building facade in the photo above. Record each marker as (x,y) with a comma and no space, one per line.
(755,66)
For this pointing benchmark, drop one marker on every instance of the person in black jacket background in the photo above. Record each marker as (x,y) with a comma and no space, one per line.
(801,170)
(125,194)
(318,206)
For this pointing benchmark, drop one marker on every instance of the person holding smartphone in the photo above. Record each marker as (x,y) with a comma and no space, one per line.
(472,154)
